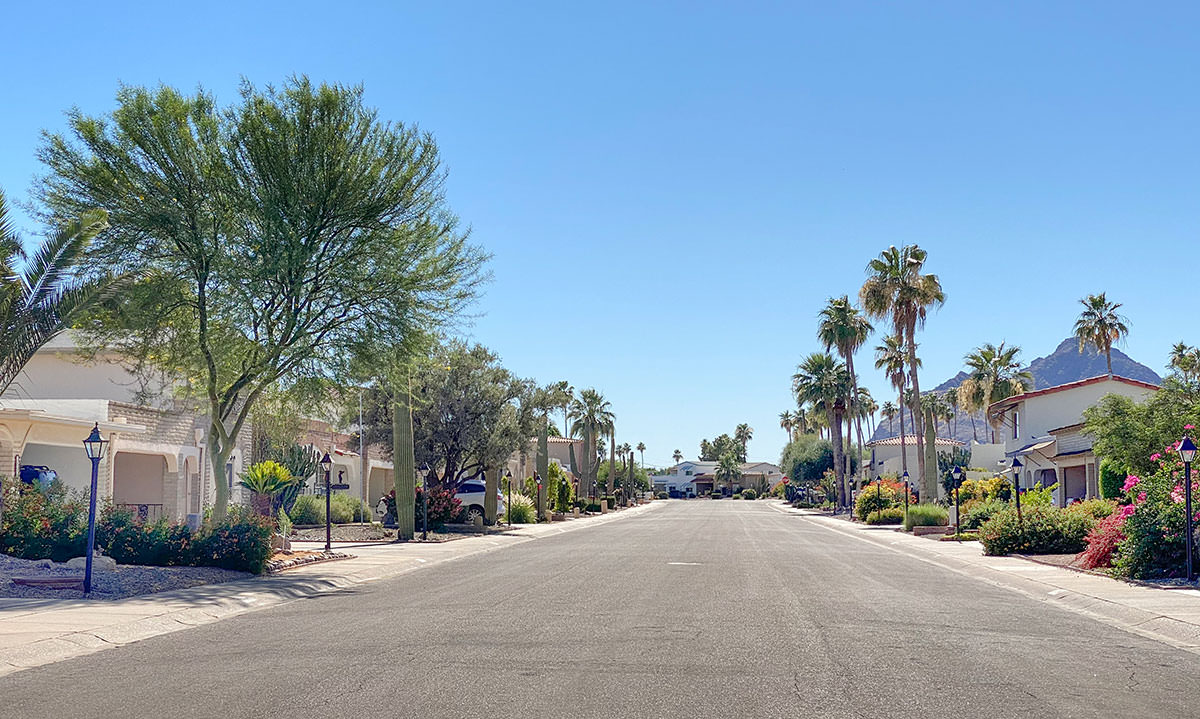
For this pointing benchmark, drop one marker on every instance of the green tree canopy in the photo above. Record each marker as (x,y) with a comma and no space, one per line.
(270,236)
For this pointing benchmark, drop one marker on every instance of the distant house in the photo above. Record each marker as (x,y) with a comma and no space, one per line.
(699,478)
(885,454)
(1044,428)
(523,463)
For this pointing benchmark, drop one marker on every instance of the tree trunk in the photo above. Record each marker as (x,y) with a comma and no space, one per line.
(543,467)
(930,456)
(903,452)
(917,416)
(839,470)
(219,453)
(854,413)
(404,472)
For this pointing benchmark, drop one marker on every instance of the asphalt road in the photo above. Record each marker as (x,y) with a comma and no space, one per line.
(697,609)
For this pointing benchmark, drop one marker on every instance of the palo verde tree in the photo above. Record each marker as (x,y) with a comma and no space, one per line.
(270,236)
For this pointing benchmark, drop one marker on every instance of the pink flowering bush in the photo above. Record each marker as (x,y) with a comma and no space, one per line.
(1150,528)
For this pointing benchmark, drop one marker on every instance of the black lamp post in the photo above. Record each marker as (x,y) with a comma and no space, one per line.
(508,505)
(538,478)
(326,465)
(957,474)
(424,502)
(906,480)
(1187,452)
(94,446)
(1016,470)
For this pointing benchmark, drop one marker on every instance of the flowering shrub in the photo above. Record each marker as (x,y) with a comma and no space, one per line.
(39,525)
(1153,544)
(891,515)
(444,507)
(979,512)
(878,496)
(1102,543)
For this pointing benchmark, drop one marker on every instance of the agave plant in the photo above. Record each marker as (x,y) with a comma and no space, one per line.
(48,294)
(266,480)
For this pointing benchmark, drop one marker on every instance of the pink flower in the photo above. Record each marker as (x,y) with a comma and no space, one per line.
(1189,426)
(1155,457)
(1127,510)
(1177,495)
(1130,482)
(1141,497)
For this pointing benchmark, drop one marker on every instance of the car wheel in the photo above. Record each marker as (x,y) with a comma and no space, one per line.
(474,511)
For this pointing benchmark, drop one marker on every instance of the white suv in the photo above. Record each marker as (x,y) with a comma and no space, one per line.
(471,495)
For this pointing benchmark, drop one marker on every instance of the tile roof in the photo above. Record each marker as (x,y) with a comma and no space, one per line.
(912,439)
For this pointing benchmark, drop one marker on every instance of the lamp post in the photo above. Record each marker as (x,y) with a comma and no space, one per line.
(1187,452)
(906,480)
(424,502)
(94,446)
(508,504)
(957,474)
(326,465)
(879,492)
(906,500)
(1016,470)
(538,478)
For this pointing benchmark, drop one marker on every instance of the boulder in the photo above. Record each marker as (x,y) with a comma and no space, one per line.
(280,542)
(100,563)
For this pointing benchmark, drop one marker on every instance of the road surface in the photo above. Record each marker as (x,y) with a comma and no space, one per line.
(699,608)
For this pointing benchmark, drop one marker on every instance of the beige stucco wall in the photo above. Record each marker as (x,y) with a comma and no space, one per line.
(1041,414)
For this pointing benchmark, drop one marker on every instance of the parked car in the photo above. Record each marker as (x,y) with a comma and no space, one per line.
(471,495)
(674,493)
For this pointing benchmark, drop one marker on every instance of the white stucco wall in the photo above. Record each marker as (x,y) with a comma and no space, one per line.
(1039,415)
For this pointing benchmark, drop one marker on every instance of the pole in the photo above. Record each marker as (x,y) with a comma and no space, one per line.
(328,516)
(424,509)
(87,571)
(1017,493)
(508,507)
(1187,495)
(906,500)
(957,515)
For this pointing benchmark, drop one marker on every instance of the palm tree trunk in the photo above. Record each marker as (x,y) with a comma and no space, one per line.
(854,407)
(918,420)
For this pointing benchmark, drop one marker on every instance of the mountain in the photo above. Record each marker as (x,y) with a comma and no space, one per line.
(1065,364)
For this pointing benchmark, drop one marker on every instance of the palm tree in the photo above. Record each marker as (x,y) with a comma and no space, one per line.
(890,357)
(592,417)
(993,374)
(641,448)
(801,421)
(841,326)
(897,290)
(888,412)
(1100,325)
(786,423)
(867,407)
(1185,360)
(46,296)
(729,470)
(743,434)
(677,456)
(824,383)
(951,400)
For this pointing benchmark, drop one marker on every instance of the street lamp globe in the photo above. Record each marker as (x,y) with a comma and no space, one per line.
(1187,449)
(326,463)
(94,445)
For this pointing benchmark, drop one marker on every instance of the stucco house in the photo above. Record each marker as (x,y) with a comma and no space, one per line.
(1044,428)
(157,463)
(523,463)
(699,478)
(885,459)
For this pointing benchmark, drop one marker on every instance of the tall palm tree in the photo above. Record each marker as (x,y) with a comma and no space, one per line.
(743,434)
(993,373)
(896,289)
(843,328)
(46,296)
(592,417)
(786,423)
(888,412)
(641,448)
(677,456)
(951,400)
(729,470)
(801,421)
(867,407)
(824,383)
(1185,360)
(891,358)
(1100,325)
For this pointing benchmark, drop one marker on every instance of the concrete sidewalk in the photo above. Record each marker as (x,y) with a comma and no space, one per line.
(1164,614)
(41,631)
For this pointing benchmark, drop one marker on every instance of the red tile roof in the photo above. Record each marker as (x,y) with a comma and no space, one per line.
(996,406)
(911,439)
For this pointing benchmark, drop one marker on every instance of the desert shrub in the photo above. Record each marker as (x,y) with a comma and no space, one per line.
(1112,476)
(1042,530)
(308,509)
(749,494)
(662,495)
(50,524)
(979,512)
(1102,543)
(737,496)
(522,510)
(241,541)
(926,515)
(128,541)
(345,509)
(715,494)
(877,496)
(1095,508)
(284,523)
(443,508)
(891,515)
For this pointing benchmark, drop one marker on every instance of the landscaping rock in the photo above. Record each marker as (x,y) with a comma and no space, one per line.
(100,563)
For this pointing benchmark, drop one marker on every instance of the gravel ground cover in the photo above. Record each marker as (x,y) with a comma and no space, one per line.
(377,533)
(127,581)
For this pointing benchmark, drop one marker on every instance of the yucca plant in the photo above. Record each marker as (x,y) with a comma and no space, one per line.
(265,480)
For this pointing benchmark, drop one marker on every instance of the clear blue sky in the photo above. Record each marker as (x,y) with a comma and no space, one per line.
(672,190)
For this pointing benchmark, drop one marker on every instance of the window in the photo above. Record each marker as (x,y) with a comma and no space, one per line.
(688,473)
(1016,424)
(471,488)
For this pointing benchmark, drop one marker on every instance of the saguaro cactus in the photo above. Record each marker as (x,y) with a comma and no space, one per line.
(404,474)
